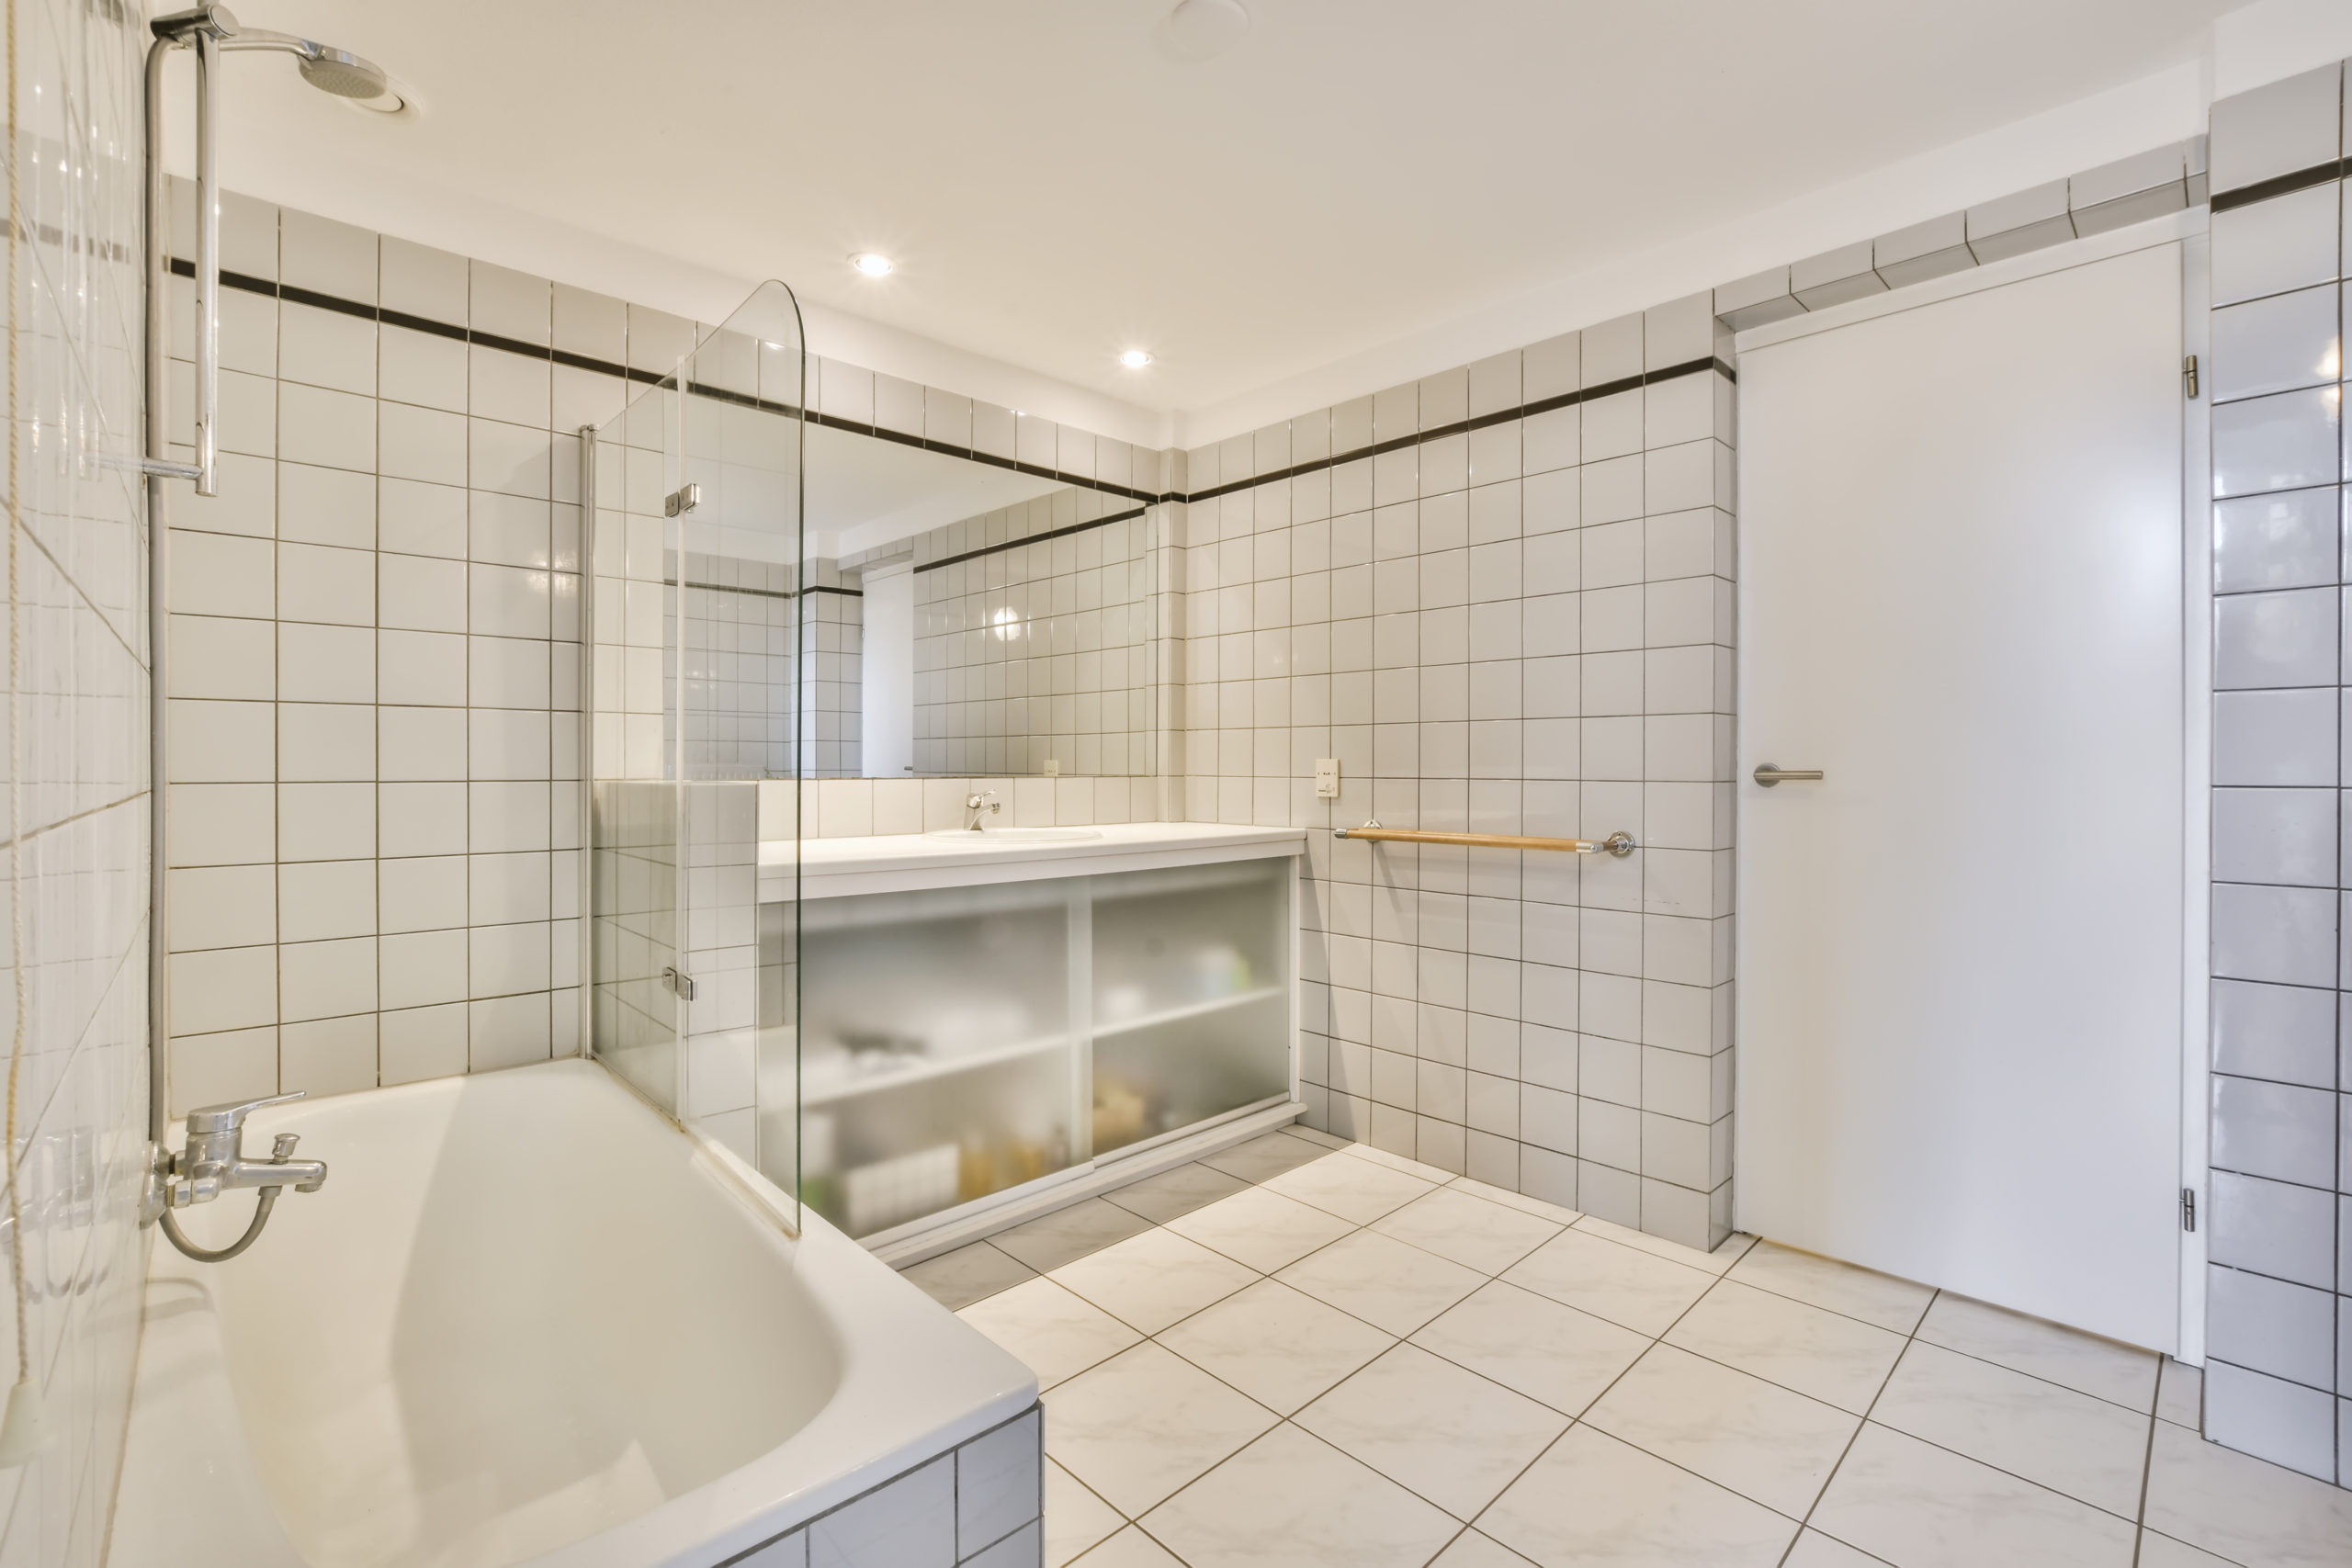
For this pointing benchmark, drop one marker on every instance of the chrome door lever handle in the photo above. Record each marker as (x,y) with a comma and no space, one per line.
(1768,775)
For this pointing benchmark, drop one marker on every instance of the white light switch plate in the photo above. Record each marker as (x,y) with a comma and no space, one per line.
(1327,778)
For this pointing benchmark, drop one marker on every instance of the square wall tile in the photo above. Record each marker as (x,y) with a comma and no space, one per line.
(2278,128)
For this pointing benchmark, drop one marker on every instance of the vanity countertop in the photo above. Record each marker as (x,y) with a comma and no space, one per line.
(895,863)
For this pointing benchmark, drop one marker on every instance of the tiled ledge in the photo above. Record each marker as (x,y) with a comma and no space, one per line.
(2130,190)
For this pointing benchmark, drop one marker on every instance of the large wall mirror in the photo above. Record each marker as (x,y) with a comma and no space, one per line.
(966,618)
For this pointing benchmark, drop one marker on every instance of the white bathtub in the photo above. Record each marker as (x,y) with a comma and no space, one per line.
(527,1319)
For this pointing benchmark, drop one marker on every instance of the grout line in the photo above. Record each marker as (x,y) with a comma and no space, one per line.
(1831,1479)
(2147,1465)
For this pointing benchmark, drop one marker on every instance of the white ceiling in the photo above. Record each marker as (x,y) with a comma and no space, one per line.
(1056,189)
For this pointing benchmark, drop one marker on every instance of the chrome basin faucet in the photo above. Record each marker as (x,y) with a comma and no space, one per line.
(974,804)
(214,1162)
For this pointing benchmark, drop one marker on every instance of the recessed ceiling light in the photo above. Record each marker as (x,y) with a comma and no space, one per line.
(1195,30)
(873,265)
(1134,359)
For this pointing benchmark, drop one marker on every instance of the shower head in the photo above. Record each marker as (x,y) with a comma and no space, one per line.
(333,71)
(343,74)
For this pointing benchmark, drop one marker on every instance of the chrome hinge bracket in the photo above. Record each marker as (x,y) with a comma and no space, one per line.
(681,984)
(2188,1208)
(685,498)
(2188,376)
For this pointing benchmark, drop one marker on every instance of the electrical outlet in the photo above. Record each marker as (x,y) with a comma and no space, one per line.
(1327,778)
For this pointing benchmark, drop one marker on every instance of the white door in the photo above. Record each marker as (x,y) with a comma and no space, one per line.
(1959,1000)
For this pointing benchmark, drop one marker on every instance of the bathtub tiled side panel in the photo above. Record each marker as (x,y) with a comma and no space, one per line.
(979,1506)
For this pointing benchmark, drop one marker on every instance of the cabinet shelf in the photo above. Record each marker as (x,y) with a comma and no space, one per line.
(922,1069)
(1193,1010)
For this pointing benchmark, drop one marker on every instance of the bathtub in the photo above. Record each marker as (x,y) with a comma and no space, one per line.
(530,1320)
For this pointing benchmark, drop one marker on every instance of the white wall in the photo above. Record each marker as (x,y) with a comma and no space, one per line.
(887,669)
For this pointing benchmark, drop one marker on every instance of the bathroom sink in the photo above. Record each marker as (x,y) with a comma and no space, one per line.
(1016,835)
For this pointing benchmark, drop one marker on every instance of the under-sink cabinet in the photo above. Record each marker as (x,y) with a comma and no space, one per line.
(965,1046)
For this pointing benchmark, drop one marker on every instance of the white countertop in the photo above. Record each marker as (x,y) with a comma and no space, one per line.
(893,862)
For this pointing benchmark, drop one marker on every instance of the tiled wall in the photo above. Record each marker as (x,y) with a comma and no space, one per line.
(2279,1284)
(832,692)
(1039,653)
(980,1506)
(77,876)
(740,619)
(374,694)
(1501,597)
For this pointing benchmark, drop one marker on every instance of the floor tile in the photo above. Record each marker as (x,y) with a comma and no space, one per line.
(1162,1198)
(1382,1281)
(1470,1230)
(1756,1438)
(1449,1434)
(1414,1167)
(1593,1502)
(1131,1549)
(2091,1451)
(956,1280)
(1265,1156)
(1919,1506)
(1290,1499)
(2180,1394)
(1715,1262)
(1065,1235)
(1056,1333)
(1798,1345)
(1881,1299)
(2162,1552)
(1144,1423)
(1278,1346)
(1533,1343)
(1815,1550)
(1352,1188)
(1471,1550)
(1154,1280)
(2240,1507)
(1261,1228)
(2101,1367)
(1076,1518)
(1520,1201)
(1626,1286)
(1313,1136)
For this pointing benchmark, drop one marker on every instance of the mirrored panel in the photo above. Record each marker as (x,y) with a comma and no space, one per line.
(971,617)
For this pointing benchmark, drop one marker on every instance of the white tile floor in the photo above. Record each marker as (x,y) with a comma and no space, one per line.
(1305,1352)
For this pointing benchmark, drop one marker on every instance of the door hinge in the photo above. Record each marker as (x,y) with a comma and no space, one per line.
(681,984)
(685,498)
(2188,1208)
(2188,376)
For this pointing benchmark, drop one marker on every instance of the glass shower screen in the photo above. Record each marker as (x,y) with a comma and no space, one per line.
(695,735)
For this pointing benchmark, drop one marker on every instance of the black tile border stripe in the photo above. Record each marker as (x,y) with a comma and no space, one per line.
(764,593)
(2281,184)
(1500,416)
(300,296)
(1061,533)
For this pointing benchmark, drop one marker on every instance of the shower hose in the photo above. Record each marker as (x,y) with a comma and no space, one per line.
(223,1254)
